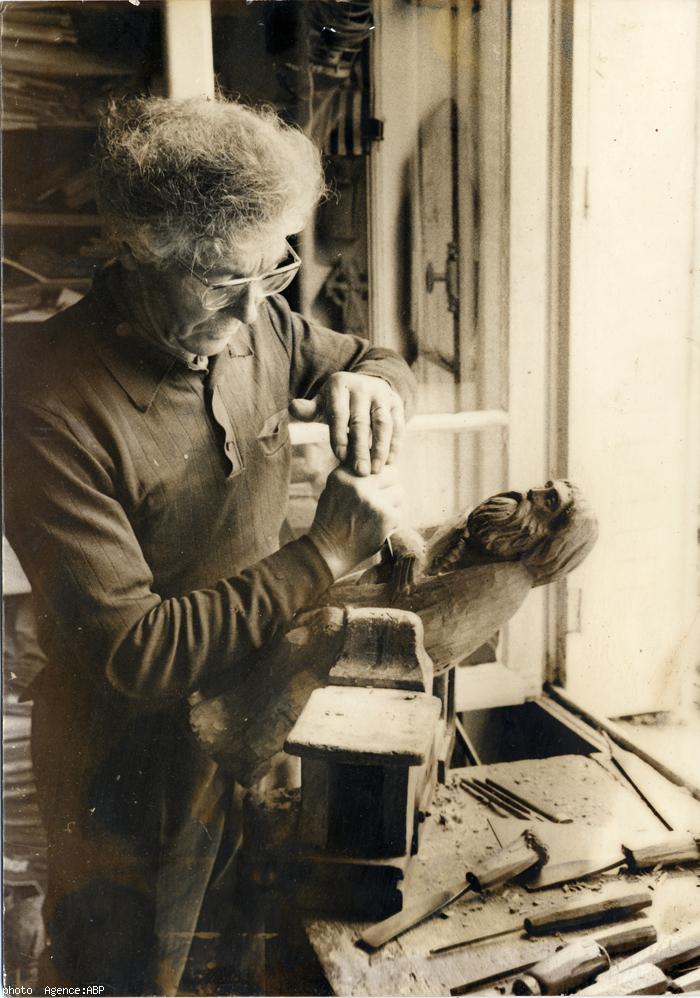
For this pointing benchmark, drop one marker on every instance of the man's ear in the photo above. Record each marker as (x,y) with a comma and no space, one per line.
(126,257)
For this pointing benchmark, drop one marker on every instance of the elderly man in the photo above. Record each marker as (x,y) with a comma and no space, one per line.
(148,461)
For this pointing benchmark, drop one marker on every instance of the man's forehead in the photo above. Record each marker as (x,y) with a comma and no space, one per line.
(254,258)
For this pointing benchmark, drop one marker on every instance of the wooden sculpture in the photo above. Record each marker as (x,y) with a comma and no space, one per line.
(464,582)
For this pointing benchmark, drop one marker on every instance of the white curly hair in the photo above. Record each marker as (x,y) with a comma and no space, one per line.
(195,180)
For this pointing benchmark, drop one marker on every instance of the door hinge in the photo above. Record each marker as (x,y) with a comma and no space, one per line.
(450,278)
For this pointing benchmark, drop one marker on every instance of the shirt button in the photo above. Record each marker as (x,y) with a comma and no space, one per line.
(229,445)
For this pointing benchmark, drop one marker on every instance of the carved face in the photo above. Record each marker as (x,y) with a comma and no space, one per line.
(549,528)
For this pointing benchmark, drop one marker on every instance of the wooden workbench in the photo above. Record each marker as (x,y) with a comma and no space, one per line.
(457,834)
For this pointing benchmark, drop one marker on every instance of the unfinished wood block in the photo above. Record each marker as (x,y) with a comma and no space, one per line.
(365,726)
(383,648)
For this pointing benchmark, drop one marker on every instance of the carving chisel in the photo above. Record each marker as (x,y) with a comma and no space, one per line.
(525,853)
(482,799)
(670,851)
(503,800)
(646,979)
(615,940)
(669,951)
(567,917)
(564,971)
(686,984)
(559,817)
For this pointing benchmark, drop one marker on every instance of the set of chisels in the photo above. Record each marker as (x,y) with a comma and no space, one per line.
(586,959)
(507,802)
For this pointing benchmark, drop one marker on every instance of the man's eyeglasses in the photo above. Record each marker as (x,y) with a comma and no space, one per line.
(217,296)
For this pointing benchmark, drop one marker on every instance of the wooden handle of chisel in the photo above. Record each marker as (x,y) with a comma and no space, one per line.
(686,984)
(527,852)
(627,937)
(564,971)
(615,940)
(670,851)
(669,951)
(646,979)
(577,916)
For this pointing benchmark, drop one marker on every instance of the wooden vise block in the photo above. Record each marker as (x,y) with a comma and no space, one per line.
(368,756)
(383,648)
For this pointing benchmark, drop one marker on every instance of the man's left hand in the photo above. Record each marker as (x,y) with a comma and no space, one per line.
(365,417)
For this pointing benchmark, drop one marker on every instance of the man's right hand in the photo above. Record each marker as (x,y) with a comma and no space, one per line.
(354,517)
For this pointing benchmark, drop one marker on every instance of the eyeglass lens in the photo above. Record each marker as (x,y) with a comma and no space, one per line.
(269,284)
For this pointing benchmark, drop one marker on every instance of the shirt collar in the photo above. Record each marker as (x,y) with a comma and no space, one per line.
(138,365)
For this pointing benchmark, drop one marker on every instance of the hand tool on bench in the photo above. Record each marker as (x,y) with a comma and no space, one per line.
(559,817)
(502,799)
(615,940)
(482,799)
(672,850)
(669,951)
(525,853)
(686,984)
(646,979)
(563,971)
(567,917)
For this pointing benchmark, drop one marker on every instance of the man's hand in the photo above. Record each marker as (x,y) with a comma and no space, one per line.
(354,516)
(365,417)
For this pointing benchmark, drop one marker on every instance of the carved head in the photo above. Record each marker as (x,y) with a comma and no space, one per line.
(550,529)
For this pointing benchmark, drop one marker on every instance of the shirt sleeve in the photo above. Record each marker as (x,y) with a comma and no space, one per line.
(315,352)
(97,607)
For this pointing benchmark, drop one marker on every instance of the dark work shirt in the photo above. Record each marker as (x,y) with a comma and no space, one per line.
(145,499)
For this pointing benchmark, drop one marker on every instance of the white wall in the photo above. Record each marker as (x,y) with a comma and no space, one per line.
(634,345)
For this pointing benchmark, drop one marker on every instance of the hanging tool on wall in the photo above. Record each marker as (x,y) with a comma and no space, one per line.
(567,917)
(673,850)
(525,853)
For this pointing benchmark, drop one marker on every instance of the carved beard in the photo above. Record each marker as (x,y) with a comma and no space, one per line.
(508,526)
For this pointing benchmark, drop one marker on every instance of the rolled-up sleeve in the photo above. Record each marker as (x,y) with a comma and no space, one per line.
(64,518)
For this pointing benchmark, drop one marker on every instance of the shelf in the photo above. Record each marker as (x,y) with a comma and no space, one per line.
(35,126)
(44,219)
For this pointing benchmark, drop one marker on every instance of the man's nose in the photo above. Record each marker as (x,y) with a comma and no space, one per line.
(245,308)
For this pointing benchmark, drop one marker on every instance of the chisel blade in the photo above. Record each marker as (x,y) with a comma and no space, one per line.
(562,873)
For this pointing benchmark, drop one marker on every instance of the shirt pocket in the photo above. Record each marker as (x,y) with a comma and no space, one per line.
(274,432)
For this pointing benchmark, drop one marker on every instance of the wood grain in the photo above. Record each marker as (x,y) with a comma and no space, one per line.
(459,611)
